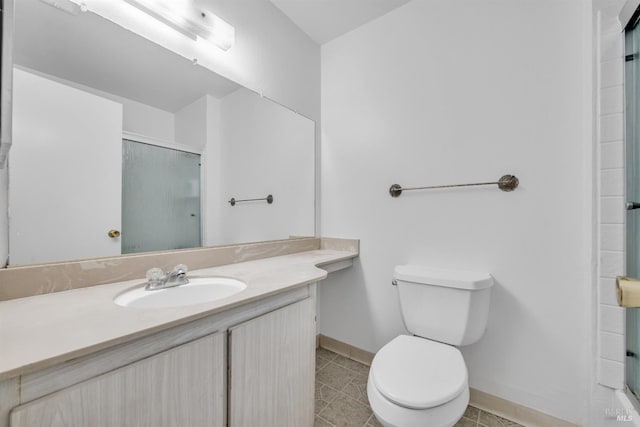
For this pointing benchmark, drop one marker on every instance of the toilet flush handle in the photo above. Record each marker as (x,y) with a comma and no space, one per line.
(394,283)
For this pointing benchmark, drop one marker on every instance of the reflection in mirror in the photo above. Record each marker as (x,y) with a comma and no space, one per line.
(160,191)
(82,85)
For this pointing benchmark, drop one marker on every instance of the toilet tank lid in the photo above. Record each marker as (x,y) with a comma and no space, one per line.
(460,279)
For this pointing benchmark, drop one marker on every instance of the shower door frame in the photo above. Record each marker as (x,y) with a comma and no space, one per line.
(629,17)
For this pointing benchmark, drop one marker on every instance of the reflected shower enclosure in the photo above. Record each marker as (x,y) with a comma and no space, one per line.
(160,198)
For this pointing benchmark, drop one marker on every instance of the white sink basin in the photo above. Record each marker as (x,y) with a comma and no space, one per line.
(198,290)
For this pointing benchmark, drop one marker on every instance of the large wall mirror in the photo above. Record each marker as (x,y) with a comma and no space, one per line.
(121,146)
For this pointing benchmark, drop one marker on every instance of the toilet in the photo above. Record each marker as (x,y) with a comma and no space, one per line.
(421,380)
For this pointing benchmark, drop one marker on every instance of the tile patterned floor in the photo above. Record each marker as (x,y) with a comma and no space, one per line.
(341,397)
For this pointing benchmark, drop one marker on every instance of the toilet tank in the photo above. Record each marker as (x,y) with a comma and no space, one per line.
(444,305)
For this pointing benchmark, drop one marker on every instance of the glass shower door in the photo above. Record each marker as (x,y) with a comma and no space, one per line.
(632,89)
(160,198)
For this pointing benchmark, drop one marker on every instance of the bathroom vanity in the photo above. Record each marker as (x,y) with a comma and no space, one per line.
(264,362)
(245,360)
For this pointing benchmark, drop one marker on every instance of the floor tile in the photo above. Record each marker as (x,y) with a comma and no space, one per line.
(322,352)
(319,422)
(341,397)
(335,376)
(487,419)
(324,395)
(321,362)
(320,405)
(466,422)
(351,364)
(472,413)
(373,422)
(324,392)
(357,389)
(346,412)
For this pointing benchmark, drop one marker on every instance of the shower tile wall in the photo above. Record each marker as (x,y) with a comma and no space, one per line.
(611,217)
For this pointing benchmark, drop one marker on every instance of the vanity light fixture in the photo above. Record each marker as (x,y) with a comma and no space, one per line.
(190,19)
(66,6)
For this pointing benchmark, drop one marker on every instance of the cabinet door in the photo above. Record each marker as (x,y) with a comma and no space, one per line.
(183,386)
(272,364)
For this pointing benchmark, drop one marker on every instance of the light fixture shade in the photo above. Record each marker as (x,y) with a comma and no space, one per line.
(64,5)
(191,19)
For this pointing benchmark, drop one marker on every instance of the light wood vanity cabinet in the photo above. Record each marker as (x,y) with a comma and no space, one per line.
(257,362)
(183,386)
(272,368)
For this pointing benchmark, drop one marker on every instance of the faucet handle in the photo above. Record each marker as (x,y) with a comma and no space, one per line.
(154,275)
(181,267)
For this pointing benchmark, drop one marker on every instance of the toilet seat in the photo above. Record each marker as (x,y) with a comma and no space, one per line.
(391,415)
(417,373)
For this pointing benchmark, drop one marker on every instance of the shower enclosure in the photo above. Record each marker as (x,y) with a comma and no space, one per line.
(632,109)
(160,198)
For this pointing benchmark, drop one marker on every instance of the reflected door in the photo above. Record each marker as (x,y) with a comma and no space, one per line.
(64,170)
(160,198)
(632,88)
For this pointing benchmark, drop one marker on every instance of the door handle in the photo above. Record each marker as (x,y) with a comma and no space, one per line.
(633,205)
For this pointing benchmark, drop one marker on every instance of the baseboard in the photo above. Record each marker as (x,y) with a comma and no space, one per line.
(514,411)
(481,400)
(344,349)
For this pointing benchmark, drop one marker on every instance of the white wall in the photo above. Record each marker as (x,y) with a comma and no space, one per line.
(271,56)
(281,163)
(191,124)
(137,118)
(611,218)
(454,91)
(213,202)
(252,147)
(145,120)
(199,126)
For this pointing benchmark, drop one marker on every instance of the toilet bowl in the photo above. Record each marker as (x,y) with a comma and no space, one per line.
(415,382)
(421,380)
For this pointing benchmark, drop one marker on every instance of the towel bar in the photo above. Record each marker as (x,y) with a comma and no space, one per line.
(233,201)
(505,183)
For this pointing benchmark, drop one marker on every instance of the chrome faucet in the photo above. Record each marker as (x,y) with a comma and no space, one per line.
(157,279)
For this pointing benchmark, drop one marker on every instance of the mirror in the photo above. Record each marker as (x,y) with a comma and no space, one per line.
(83,85)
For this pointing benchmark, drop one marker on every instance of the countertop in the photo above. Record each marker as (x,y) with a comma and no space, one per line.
(41,331)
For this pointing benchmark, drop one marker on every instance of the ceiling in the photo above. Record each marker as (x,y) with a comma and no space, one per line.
(324,20)
(97,53)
